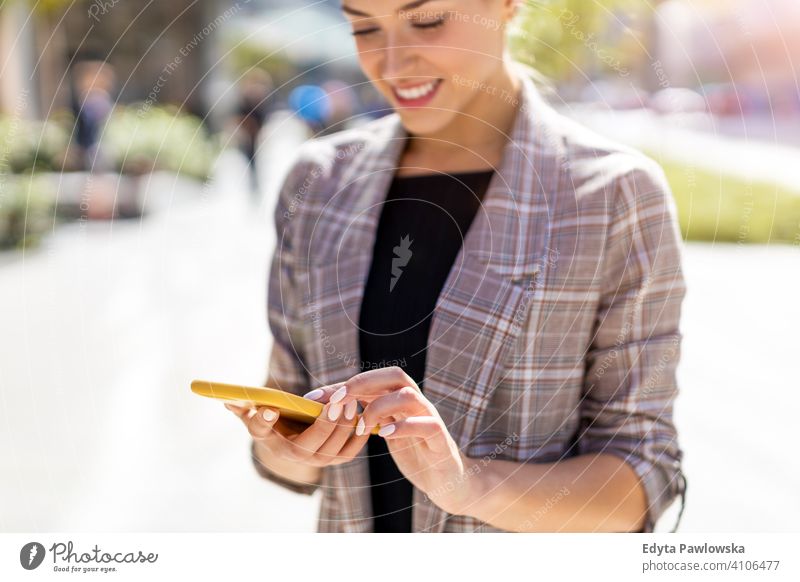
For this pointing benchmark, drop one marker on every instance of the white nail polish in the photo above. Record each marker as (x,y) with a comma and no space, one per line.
(350,409)
(314,394)
(386,430)
(269,415)
(360,426)
(334,411)
(339,394)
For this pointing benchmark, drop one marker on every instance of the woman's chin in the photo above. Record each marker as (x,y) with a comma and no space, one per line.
(422,123)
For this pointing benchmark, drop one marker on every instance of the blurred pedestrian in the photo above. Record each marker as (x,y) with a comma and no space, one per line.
(251,113)
(92,103)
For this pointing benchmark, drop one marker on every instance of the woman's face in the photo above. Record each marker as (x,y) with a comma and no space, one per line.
(432,59)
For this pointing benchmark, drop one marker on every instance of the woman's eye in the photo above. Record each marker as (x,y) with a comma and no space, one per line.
(417,24)
(363,32)
(431,24)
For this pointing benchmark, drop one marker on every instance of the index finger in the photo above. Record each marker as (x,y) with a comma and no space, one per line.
(323,393)
(314,436)
(366,386)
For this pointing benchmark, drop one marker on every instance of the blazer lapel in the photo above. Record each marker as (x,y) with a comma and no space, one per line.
(493,287)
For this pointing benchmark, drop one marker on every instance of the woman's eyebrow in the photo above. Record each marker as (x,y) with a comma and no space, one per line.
(409,6)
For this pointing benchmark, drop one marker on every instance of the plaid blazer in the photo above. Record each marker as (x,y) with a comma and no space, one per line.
(556,331)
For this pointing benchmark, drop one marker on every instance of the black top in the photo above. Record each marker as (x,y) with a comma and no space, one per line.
(420,232)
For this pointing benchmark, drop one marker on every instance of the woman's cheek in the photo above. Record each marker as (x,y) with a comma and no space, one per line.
(369,60)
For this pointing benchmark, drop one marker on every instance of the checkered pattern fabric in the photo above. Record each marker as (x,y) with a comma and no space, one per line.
(556,332)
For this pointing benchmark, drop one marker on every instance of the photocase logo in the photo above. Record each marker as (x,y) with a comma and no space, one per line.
(31,555)
(403,255)
(67,559)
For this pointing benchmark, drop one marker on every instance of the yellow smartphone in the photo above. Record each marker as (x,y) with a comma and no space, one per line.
(290,405)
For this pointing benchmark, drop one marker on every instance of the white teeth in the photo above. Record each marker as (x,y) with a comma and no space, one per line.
(416,92)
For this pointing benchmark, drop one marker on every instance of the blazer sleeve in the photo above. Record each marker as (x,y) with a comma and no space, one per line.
(287,369)
(630,381)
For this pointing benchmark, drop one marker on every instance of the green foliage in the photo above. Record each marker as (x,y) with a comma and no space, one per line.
(245,55)
(31,145)
(573,38)
(138,140)
(714,207)
(26,209)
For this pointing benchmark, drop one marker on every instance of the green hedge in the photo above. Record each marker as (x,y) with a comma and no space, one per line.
(724,208)
(26,209)
(141,139)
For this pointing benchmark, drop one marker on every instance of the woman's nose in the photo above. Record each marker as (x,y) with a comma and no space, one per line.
(398,59)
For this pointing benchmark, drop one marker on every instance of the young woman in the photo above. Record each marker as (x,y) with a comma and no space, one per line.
(495,286)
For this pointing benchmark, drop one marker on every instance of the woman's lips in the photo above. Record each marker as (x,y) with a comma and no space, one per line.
(416,95)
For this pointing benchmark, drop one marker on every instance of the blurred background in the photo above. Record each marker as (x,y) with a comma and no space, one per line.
(141,145)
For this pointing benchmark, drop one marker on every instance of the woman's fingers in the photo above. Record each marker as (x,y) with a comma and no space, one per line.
(369,385)
(366,386)
(353,445)
(245,413)
(427,428)
(350,409)
(406,413)
(307,443)
(324,442)
(333,450)
(261,422)
(399,404)
(323,393)
(289,428)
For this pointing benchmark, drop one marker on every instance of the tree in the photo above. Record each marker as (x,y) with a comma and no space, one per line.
(575,41)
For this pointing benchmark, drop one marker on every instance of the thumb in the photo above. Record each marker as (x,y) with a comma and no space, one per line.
(243,412)
(262,420)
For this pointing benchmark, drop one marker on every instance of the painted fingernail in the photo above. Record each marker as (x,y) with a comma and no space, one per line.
(334,411)
(269,415)
(350,409)
(386,430)
(314,394)
(339,394)
(360,426)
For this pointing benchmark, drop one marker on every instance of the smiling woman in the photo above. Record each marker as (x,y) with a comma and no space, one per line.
(410,52)
(525,271)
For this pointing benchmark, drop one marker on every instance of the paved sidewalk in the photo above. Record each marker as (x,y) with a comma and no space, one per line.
(103,330)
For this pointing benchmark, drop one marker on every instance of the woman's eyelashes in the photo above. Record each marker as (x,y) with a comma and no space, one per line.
(417,24)
(363,32)
(431,24)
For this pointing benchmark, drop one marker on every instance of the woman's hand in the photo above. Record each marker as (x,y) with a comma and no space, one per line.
(325,442)
(415,434)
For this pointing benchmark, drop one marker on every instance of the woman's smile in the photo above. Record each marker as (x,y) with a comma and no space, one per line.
(416,95)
